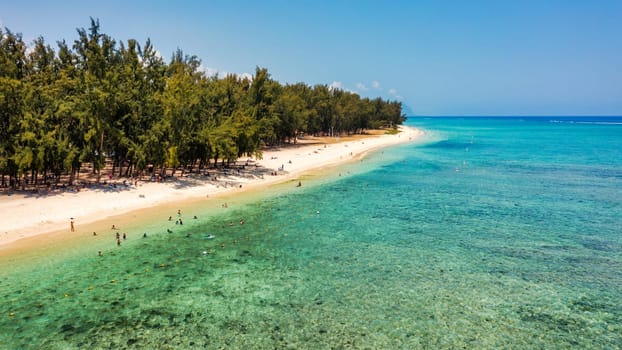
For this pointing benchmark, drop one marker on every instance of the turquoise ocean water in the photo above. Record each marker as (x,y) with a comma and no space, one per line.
(488,233)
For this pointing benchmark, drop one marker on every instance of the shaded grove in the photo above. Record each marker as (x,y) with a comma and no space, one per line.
(98,100)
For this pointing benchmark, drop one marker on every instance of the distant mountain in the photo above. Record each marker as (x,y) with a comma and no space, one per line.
(407,110)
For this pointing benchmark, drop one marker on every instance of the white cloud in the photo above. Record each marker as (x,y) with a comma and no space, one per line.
(339,85)
(336,85)
(30,48)
(215,72)
(246,76)
(375,84)
(394,93)
(209,71)
(158,54)
(361,87)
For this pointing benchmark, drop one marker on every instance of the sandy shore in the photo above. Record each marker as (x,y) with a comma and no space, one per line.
(27,216)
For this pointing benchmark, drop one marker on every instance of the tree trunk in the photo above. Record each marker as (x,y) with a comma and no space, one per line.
(114,166)
(127,170)
(72,175)
(101,154)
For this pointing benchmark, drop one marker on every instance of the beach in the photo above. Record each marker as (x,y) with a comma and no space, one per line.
(29,220)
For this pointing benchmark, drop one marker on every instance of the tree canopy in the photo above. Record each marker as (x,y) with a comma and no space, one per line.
(101,99)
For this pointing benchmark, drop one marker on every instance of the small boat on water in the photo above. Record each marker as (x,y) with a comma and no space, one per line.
(210,237)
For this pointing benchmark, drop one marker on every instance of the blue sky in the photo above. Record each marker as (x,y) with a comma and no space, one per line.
(474,57)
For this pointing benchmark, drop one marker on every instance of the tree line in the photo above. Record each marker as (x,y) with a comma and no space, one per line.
(98,99)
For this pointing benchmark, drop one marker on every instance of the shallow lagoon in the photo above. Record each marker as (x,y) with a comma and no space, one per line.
(491,234)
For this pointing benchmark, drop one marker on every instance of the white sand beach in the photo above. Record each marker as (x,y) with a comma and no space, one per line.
(27,216)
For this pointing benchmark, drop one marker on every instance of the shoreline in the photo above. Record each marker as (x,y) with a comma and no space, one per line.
(45,220)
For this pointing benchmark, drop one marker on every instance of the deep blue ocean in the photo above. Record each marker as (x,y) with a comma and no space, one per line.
(487,233)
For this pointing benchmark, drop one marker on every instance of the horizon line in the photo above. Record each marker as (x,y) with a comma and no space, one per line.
(515,116)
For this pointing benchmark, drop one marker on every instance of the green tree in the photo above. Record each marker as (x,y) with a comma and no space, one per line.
(12,70)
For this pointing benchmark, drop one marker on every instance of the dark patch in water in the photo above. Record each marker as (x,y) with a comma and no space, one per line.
(67,328)
(551,321)
(588,305)
(601,246)
(450,144)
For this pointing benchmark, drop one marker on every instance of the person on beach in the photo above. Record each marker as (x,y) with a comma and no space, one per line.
(113,227)
(178,212)
(124,236)
(94,233)
(117,235)
(73,229)
(170,218)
